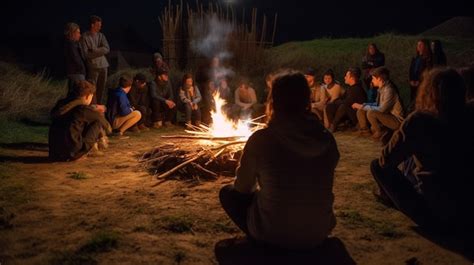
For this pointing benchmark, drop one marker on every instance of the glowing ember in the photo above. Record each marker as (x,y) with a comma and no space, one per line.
(223,127)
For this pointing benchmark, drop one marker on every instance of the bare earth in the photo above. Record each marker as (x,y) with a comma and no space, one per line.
(49,216)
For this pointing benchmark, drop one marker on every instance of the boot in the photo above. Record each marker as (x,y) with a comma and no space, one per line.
(158,124)
(103,142)
(95,152)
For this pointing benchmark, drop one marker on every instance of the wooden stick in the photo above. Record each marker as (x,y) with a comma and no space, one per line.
(207,171)
(153,159)
(171,171)
(202,137)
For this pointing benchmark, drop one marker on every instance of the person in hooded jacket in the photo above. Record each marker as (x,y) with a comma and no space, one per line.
(282,195)
(77,128)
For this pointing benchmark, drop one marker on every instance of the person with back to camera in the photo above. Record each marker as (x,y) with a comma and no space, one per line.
(282,195)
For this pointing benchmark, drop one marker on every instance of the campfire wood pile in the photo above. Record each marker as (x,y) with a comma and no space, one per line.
(170,161)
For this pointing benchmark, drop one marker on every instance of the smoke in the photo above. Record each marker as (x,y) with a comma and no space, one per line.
(211,42)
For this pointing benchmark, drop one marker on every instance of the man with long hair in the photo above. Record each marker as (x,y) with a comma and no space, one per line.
(282,195)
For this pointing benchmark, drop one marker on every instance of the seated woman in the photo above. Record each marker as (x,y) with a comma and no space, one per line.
(76,127)
(282,195)
(433,147)
(246,105)
(190,97)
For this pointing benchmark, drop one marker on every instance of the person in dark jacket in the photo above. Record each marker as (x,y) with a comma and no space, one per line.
(77,128)
(162,100)
(433,147)
(283,191)
(372,59)
(439,57)
(139,97)
(421,62)
(73,56)
(355,93)
(120,113)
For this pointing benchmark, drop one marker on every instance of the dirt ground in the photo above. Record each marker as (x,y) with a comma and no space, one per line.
(105,211)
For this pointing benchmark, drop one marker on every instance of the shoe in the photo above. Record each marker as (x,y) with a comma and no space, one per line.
(365,132)
(143,127)
(95,152)
(134,129)
(379,135)
(332,128)
(119,135)
(157,125)
(103,142)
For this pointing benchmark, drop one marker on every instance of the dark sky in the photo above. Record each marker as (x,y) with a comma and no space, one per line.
(298,20)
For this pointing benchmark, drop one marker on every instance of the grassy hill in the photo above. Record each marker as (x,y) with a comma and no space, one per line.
(339,54)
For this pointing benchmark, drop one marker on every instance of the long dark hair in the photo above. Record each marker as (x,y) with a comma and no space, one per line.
(426,52)
(377,51)
(185,77)
(442,93)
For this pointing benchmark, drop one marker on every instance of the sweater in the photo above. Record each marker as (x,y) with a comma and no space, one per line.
(74,58)
(95,47)
(292,161)
(388,101)
(117,104)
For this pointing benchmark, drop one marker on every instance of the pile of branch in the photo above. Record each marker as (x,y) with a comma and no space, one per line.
(171,162)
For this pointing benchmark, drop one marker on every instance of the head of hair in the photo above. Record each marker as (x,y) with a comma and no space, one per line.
(355,72)
(84,88)
(93,19)
(186,76)
(374,46)
(70,28)
(426,52)
(467,74)
(442,92)
(381,72)
(140,78)
(290,94)
(437,46)
(125,81)
(329,72)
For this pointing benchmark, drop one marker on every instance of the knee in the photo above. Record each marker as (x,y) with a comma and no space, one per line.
(225,192)
(137,114)
(371,114)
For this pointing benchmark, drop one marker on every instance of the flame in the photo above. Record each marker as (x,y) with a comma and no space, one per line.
(222,126)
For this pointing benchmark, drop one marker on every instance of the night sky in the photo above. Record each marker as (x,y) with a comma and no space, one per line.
(40,23)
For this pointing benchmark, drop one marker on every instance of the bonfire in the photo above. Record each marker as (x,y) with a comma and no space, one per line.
(219,144)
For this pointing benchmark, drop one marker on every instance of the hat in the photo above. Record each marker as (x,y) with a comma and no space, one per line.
(157,55)
(310,71)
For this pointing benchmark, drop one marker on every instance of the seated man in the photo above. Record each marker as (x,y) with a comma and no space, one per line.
(317,92)
(76,127)
(292,161)
(245,98)
(386,114)
(162,99)
(119,111)
(355,93)
(139,97)
(434,188)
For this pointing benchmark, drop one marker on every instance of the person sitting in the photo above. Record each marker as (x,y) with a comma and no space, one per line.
(158,64)
(355,93)
(372,59)
(246,105)
(225,93)
(190,97)
(119,111)
(433,147)
(162,97)
(140,100)
(316,92)
(282,195)
(333,95)
(386,114)
(76,127)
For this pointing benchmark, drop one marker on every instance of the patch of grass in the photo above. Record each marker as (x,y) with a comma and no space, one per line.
(102,241)
(78,175)
(354,219)
(177,224)
(26,95)
(16,132)
(224,226)
(179,256)
(71,258)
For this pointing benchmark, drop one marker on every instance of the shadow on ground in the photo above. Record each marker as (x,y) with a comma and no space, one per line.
(26,159)
(25,146)
(240,251)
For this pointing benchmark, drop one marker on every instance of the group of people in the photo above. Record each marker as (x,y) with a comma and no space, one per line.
(282,195)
